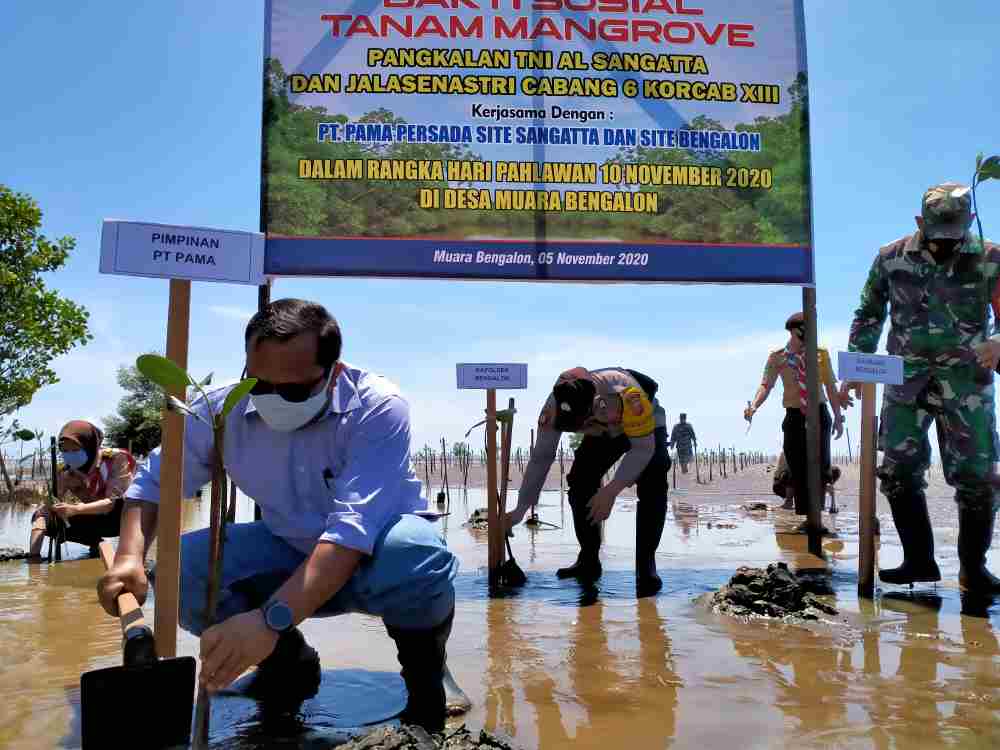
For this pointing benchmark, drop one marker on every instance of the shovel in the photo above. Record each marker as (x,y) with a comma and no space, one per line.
(145,703)
(510,573)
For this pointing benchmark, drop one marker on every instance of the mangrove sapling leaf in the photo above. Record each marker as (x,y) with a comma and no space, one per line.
(506,416)
(163,372)
(236,395)
(989,169)
(206,381)
(24,435)
(170,377)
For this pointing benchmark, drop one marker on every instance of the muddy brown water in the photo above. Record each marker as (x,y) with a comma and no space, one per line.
(558,665)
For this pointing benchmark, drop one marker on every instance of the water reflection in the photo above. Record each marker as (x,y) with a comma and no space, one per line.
(610,674)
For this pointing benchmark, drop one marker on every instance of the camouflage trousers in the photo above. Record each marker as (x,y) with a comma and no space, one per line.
(962,411)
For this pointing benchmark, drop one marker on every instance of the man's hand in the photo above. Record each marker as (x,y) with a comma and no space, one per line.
(988,354)
(845,394)
(838,426)
(513,518)
(232,647)
(126,575)
(600,504)
(748,413)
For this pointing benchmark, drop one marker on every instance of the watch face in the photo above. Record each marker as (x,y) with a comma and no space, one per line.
(278,616)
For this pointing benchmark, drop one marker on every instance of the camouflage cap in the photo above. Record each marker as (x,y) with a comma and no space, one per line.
(947,211)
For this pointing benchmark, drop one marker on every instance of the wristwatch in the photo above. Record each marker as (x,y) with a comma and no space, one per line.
(277,616)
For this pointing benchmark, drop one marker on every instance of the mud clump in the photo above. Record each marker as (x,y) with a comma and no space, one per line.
(12,553)
(775,593)
(415,738)
(479,519)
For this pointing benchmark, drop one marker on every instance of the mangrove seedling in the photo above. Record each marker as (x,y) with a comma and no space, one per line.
(171,378)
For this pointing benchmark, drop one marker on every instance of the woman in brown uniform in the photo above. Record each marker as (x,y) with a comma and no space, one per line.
(96,476)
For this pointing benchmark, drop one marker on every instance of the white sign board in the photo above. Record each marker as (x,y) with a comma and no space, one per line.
(854,367)
(492,375)
(163,251)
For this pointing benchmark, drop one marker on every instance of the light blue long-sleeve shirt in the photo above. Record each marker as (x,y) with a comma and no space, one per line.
(363,438)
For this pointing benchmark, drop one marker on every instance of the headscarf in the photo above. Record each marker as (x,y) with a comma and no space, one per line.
(87,436)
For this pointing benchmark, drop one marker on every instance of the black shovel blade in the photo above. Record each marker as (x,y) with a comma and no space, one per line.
(148,706)
(512,575)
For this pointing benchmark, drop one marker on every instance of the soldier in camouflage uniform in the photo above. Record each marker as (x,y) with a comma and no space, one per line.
(939,284)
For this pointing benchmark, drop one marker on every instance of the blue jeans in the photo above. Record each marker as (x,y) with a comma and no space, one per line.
(407,580)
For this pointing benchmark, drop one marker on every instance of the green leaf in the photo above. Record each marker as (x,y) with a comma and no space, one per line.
(24,435)
(163,372)
(990,168)
(237,394)
(979,160)
(206,381)
(506,416)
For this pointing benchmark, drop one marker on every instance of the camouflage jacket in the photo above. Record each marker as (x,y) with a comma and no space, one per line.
(938,312)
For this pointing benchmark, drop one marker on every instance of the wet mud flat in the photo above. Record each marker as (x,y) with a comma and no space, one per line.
(557,664)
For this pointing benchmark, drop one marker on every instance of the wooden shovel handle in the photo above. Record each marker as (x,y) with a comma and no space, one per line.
(129,612)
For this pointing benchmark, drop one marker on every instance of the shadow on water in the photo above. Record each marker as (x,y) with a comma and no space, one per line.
(348,700)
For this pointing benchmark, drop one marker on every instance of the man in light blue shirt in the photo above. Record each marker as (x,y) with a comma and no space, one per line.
(323,448)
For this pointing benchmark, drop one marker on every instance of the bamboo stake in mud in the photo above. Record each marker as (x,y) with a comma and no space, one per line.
(54,479)
(444,460)
(168,543)
(217,540)
(507,433)
(866,504)
(495,548)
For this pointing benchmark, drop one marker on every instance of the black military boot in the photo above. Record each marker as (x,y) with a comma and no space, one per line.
(422,655)
(289,676)
(975,532)
(588,562)
(909,513)
(649,520)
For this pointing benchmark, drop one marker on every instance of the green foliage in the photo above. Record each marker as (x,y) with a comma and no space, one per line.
(986,169)
(168,376)
(163,372)
(305,207)
(574,440)
(334,207)
(237,394)
(36,324)
(24,435)
(138,419)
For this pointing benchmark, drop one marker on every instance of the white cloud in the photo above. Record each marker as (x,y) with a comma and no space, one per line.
(231,312)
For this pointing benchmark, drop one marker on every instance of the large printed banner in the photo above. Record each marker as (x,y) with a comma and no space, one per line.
(587,140)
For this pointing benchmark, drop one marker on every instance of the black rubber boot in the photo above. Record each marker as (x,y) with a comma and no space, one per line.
(586,568)
(909,513)
(588,563)
(422,655)
(649,520)
(289,676)
(975,533)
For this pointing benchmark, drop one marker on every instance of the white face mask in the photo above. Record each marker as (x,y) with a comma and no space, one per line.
(288,416)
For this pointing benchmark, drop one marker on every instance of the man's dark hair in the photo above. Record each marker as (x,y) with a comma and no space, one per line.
(285,319)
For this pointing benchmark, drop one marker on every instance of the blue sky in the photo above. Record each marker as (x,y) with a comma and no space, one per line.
(150,112)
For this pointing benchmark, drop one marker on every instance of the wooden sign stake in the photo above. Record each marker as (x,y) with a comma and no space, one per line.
(496,524)
(866,504)
(168,544)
